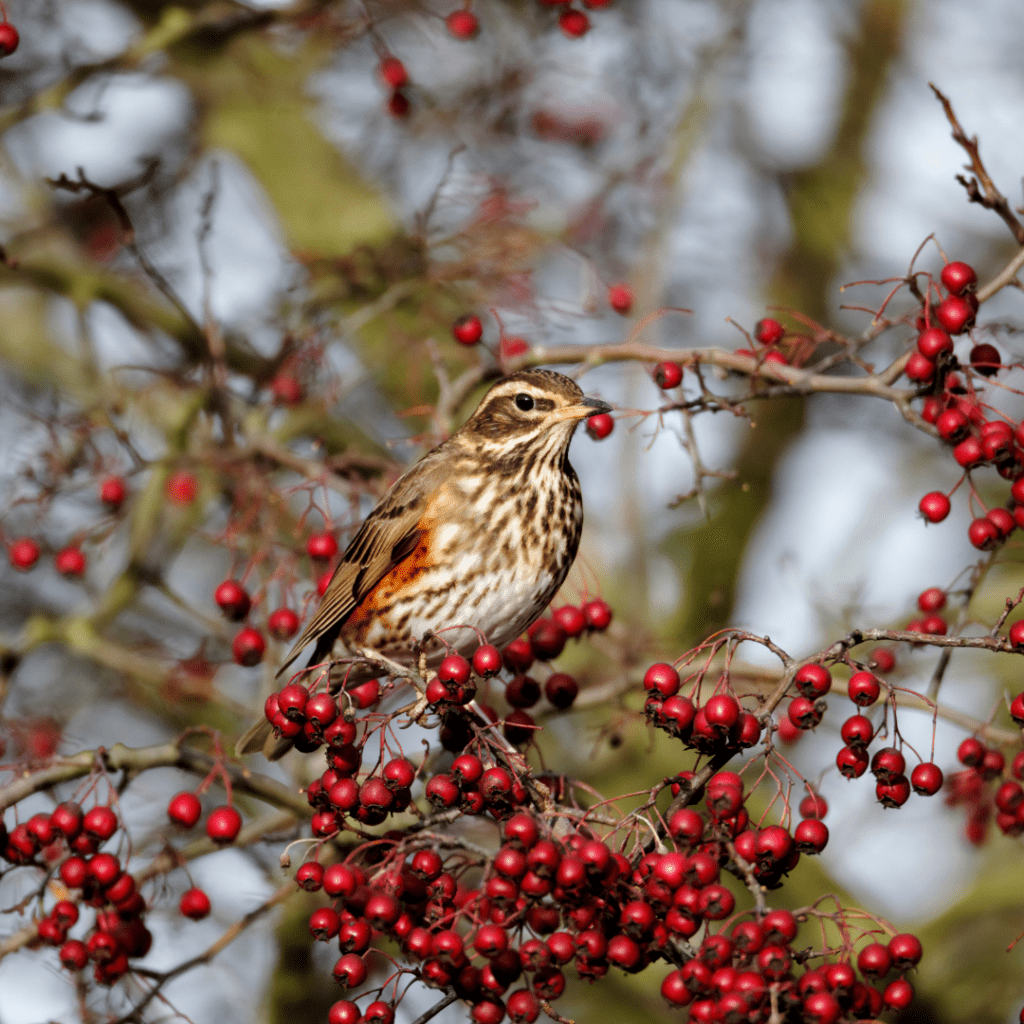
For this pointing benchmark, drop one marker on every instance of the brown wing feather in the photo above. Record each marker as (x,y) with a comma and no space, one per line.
(388,535)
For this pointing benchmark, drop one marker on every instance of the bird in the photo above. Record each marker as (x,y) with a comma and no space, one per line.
(473,540)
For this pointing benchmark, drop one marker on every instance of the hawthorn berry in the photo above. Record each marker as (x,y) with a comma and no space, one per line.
(233,600)
(184,809)
(282,623)
(600,425)
(100,822)
(984,359)
(9,39)
(113,492)
(769,331)
(932,342)
(954,313)
(952,426)
(813,680)
(899,994)
(561,690)
(598,614)
(863,689)
(393,72)
(224,824)
(195,904)
(350,971)
(462,24)
(182,487)
(321,547)
(983,534)
(926,779)
(668,375)
(810,836)
(934,506)
(69,561)
(24,552)
(920,369)
(468,329)
(248,647)
(957,277)
(487,661)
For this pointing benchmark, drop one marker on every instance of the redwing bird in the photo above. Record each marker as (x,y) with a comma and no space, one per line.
(477,535)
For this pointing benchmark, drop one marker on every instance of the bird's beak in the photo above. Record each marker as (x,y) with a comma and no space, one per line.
(590,406)
(584,408)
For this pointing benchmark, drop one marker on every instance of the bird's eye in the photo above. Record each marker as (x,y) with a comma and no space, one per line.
(524,402)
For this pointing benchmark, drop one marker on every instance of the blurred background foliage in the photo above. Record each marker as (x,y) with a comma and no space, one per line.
(242,202)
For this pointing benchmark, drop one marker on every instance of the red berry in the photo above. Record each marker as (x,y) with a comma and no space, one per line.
(821,1008)
(600,426)
(184,809)
(957,277)
(113,492)
(486,661)
(69,561)
(100,822)
(906,951)
(952,426)
(970,452)
(1002,521)
(954,313)
(971,752)
(620,297)
(8,39)
(882,660)
(512,346)
(899,994)
(769,331)
(286,389)
(668,375)
(462,24)
(663,679)
(571,619)
(932,342)
(194,904)
(934,506)
(813,680)
(232,599)
(598,614)
(547,639)
(813,806)
(985,360)
(454,670)
(182,487)
(283,624)
(811,836)
(863,689)
(893,793)
(983,534)
(852,762)
(926,779)
(73,954)
(321,546)
(350,971)
(1017,709)
(931,600)
(223,824)
(393,72)
(343,1012)
(920,369)
(24,552)
(248,647)
(468,329)
(561,690)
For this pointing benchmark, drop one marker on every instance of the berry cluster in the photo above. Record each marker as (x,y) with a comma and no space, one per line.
(69,561)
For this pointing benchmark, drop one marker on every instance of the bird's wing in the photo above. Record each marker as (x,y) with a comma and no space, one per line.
(388,535)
